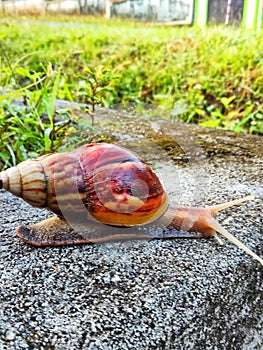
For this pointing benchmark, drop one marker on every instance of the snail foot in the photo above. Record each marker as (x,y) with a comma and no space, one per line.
(50,232)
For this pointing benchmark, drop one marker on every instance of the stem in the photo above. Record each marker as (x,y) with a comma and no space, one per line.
(8,62)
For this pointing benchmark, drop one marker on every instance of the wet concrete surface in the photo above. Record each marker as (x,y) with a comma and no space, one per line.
(158,294)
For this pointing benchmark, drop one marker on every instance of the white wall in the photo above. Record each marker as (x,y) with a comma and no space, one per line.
(22,5)
(88,6)
(180,11)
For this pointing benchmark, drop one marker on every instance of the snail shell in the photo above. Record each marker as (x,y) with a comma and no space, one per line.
(113,184)
(105,184)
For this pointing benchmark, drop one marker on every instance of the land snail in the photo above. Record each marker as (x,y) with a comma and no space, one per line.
(102,192)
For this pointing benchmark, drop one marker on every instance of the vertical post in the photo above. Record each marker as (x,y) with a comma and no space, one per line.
(228,12)
(108,4)
(252,14)
(43,7)
(200,12)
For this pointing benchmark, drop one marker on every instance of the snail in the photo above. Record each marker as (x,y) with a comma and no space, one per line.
(102,192)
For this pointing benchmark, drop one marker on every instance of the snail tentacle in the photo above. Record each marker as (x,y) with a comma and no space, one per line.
(218,207)
(218,228)
(203,220)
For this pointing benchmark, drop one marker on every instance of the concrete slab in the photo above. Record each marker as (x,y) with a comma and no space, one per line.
(159,294)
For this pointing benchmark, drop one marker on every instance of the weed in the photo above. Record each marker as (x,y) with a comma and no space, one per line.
(211,76)
(93,88)
(31,125)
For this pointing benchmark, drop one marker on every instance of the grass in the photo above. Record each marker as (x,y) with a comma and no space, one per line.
(211,76)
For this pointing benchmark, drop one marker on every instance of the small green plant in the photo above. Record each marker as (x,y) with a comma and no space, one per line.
(24,135)
(31,125)
(94,87)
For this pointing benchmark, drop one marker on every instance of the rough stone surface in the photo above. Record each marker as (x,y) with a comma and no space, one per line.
(159,294)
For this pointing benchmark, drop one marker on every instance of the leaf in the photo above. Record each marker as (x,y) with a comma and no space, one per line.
(12,154)
(226,101)
(47,139)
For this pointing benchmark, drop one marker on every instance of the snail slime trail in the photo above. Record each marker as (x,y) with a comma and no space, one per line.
(102,192)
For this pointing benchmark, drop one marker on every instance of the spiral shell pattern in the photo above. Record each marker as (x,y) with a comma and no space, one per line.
(101,182)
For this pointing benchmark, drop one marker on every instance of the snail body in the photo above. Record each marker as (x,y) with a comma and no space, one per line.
(101,192)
